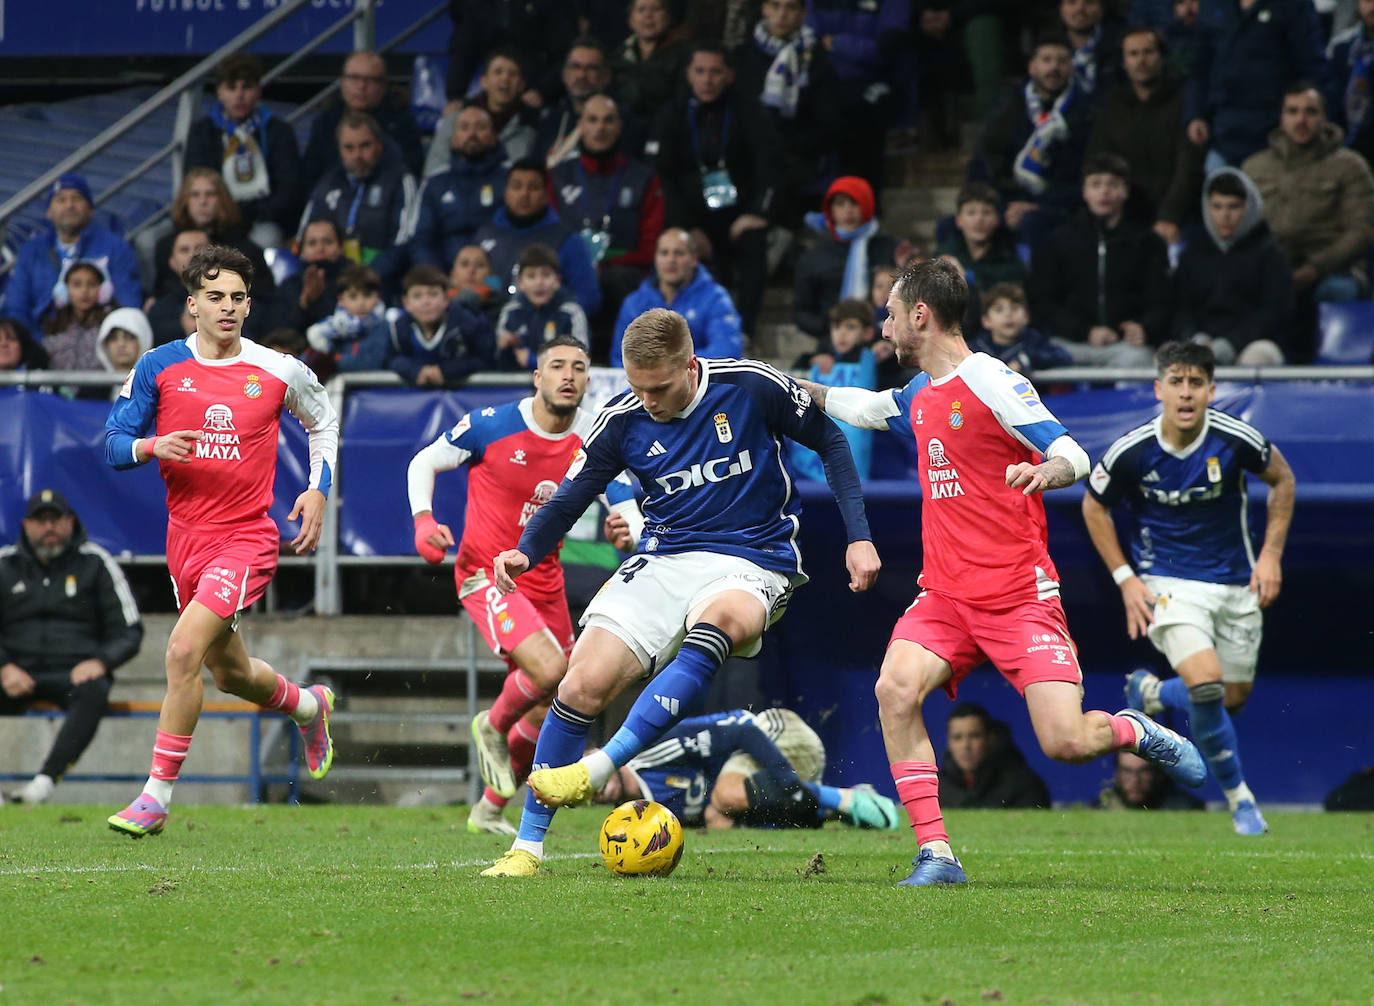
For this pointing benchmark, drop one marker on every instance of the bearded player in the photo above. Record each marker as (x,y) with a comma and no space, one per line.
(208,410)
(987,447)
(516,455)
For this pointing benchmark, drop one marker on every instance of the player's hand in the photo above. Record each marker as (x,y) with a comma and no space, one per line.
(16,681)
(861,559)
(506,567)
(176,446)
(1266,578)
(1027,477)
(87,670)
(310,509)
(617,531)
(1140,607)
(432,539)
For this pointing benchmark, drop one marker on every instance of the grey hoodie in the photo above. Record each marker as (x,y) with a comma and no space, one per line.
(1254,209)
(131,320)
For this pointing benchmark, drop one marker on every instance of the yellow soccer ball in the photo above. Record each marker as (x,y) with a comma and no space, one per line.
(641,839)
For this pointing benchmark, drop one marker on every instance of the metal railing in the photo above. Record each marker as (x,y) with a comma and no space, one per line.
(187,90)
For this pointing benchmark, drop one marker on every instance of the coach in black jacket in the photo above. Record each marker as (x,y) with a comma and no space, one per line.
(67,620)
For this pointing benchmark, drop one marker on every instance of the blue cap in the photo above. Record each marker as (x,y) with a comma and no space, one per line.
(71,180)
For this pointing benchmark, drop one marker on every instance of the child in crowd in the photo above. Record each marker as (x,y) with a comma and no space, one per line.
(982,247)
(1007,334)
(846,362)
(360,304)
(540,309)
(472,283)
(435,340)
(72,330)
(125,335)
(891,374)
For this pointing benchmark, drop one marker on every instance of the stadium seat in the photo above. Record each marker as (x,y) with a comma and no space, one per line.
(1345,333)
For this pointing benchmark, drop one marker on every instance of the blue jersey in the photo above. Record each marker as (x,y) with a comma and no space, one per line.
(713,476)
(680,769)
(1188,506)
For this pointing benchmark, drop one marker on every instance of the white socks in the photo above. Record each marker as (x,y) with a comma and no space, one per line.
(600,767)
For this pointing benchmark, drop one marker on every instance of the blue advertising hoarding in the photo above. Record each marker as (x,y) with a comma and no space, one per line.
(193,27)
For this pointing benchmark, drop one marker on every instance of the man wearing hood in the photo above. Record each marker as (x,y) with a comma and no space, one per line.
(41,268)
(457,201)
(1138,120)
(840,266)
(255,150)
(1233,288)
(1318,198)
(682,283)
(67,620)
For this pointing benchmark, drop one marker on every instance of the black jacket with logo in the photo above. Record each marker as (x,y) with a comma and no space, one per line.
(77,607)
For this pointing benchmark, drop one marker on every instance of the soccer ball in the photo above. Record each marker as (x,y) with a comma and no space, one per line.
(641,838)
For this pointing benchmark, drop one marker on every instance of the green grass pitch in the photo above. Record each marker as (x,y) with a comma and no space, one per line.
(336,904)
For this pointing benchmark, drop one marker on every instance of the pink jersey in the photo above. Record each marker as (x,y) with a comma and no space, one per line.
(983,542)
(237,405)
(514,468)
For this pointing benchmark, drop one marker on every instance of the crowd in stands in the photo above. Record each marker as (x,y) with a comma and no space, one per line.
(1144,170)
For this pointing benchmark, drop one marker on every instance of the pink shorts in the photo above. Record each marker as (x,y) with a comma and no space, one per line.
(507,620)
(226,570)
(1026,643)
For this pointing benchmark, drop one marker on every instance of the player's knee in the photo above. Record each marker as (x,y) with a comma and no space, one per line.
(1074,748)
(1237,694)
(587,692)
(183,657)
(898,690)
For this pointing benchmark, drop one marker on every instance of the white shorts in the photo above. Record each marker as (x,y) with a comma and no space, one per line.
(1227,614)
(650,600)
(798,743)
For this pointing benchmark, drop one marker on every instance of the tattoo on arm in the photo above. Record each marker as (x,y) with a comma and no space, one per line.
(1058,473)
(816,391)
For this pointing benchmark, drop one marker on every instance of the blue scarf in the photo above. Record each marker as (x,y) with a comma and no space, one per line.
(1050,126)
(1085,62)
(1357,85)
(783,83)
(244,139)
(855,283)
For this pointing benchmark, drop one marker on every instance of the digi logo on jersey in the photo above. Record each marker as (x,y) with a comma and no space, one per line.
(219,442)
(715,470)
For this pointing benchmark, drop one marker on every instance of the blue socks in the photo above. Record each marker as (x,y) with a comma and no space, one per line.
(667,696)
(1215,734)
(828,797)
(562,739)
(1173,692)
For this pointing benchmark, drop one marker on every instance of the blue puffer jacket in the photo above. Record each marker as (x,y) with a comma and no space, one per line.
(710,314)
(29,294)
(1243,62)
